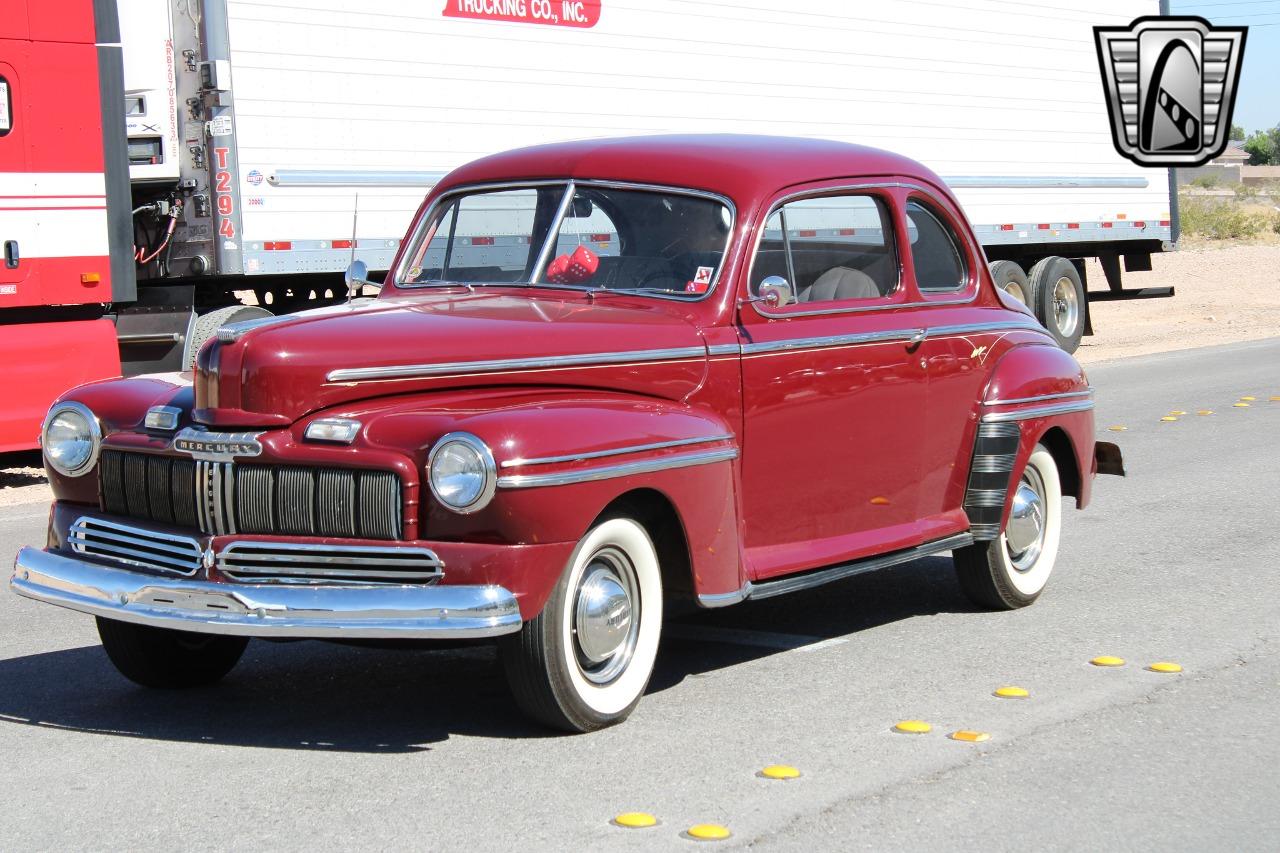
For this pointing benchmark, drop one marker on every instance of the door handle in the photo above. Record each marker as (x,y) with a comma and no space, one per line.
(916,339)
(11,254)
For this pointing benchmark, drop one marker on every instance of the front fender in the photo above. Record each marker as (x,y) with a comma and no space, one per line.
(563,457)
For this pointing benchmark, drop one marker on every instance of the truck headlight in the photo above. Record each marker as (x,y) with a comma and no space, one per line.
(462,473)
(71,438)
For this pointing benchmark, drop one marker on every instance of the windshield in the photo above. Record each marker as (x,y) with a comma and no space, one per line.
(654,241)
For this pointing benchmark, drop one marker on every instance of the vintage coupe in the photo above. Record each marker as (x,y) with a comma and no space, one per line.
(599,375)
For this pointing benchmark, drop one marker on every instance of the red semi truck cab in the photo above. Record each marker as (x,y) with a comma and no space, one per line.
(64,207)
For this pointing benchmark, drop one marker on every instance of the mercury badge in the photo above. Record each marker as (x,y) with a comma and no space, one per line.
(217,446)
(1170,84)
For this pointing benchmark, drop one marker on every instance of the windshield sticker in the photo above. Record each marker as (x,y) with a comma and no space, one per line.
(703,275)
(557,13)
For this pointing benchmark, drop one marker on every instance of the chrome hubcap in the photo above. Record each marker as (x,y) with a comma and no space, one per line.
(605,626)
(1015,290)
(1066,307)
(1024,534)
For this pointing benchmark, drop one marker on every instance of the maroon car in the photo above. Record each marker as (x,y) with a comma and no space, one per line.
(599,375)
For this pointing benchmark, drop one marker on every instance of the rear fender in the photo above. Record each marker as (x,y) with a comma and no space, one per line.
(1037,394)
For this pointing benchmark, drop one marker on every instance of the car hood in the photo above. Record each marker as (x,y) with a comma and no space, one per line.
(273,373)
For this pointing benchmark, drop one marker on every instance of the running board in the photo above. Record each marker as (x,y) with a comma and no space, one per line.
(818,577)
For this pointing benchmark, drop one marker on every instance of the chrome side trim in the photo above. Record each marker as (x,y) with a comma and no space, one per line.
(903,335)
(644,466)
(334,611)
(724,349)
(1043,182)
(617,451)
(1038,412)
(352,178)
(994,326)
(421,371)
(1088,392)
(818,577)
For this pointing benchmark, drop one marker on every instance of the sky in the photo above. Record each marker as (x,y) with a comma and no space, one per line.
(1258,100)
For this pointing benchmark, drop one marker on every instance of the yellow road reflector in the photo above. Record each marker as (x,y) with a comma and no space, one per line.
(1177,412)
(970,737)
(1248,399)
(913,727)
(1117,428)
(1241,405)
(1168,418)
(1205,412)
(1010,692)
(708,832)
(635,820)
(1107,660)
(1165,666)
(1276,398)
(779,771)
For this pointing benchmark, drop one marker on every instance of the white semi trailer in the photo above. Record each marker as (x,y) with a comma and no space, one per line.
(270,141)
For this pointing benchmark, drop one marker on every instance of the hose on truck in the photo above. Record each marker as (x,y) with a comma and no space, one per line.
(141,255)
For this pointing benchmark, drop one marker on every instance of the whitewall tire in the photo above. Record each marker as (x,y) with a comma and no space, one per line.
(1012,570)
(584,662)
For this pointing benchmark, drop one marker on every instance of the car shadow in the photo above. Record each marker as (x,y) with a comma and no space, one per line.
(323,696)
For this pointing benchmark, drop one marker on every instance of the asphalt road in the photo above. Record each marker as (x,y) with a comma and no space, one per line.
(309,745)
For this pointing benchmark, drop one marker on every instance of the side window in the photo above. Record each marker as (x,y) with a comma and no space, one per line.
(830,249)
(935,250)
(484,237)
(6,110)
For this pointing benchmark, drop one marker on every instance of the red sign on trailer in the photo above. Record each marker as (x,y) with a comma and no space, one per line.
(561,13)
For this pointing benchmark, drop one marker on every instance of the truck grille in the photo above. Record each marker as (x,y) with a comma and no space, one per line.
(283,562)
(228,497)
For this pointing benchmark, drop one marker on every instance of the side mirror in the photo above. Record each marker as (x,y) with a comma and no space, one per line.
(357,276)
(774,291)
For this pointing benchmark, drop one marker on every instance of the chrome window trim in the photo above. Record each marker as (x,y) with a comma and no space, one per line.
(618,451)
(395,275)
(908,185)
(422,371)
(589,475)
(95,436)
(1088,392)
(1038,412)
(490,472)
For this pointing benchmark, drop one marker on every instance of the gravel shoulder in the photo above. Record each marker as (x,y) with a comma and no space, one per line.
(1225,293)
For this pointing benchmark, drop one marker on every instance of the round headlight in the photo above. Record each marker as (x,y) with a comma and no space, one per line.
(70,438)
(462,473)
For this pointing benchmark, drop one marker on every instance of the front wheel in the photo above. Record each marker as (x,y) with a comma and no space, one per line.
(585,660)
(1012,570)
(159,657)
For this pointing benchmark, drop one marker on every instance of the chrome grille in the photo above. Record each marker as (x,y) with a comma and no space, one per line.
(163,552)
(228,498)
(284,562)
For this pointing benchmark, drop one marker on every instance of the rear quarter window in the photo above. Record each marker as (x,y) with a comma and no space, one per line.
(935,250)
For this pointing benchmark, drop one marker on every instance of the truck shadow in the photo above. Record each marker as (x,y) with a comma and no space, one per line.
(321,696)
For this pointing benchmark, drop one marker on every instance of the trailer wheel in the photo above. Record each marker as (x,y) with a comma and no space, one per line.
(1057,298)
(1011,278)
(206,326)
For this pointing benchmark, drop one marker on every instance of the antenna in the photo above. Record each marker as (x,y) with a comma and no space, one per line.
(355,218)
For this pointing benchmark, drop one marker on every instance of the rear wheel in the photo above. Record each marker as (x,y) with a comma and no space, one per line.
(584,662)
(1011,278)
(1011,571)
(159,657)
(1058,300)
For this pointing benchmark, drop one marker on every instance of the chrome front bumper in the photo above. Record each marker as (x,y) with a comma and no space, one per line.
(265,610)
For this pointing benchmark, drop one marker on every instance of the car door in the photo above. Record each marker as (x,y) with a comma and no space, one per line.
(833,394)
(13,182)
